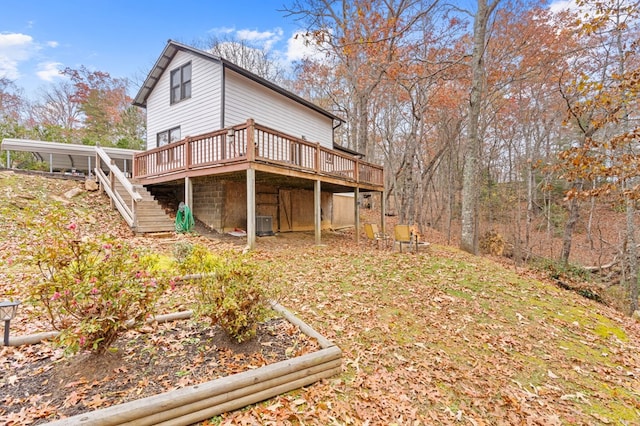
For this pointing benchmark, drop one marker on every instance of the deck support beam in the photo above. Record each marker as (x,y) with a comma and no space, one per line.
(317,210)
(251,208)
(356,212)
(188,192)
(383,212)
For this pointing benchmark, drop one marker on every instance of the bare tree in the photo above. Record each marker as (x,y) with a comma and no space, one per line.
(57,107)
(257,59)
(364,39)
(471,175)
(11,101)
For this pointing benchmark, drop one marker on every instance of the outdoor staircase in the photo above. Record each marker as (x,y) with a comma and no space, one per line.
(149,215)
(138,207)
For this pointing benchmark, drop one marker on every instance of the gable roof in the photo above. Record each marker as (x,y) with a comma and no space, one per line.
(174,47)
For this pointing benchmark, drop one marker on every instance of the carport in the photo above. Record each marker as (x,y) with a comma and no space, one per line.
(67,158)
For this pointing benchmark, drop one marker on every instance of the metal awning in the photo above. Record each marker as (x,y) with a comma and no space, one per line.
(67,157)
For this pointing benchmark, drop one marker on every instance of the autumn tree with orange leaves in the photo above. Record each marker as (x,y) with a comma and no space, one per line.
(109,117)
(602,103)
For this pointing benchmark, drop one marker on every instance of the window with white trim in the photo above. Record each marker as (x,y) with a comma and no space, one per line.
(168,137)
(181,83)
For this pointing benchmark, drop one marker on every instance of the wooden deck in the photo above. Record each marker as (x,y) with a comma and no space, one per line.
(226,151)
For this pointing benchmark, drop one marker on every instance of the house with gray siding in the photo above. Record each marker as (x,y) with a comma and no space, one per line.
(240,150)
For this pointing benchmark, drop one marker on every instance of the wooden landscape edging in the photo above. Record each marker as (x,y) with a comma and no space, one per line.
(32,339)
(195,403)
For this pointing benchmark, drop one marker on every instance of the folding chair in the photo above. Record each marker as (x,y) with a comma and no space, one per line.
(373,234)
(403,235)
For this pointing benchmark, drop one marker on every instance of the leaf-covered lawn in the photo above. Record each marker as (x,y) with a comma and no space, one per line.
(444,337)
(435,338)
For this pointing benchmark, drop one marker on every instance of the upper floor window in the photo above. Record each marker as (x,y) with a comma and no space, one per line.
(181,83)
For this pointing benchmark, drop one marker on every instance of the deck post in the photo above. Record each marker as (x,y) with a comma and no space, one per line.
(8,159)
(383,212)
(251,143)
(251,208)
(187,156)
(317,209)
(50,163)
(356,211)
(188,192)
(90,172)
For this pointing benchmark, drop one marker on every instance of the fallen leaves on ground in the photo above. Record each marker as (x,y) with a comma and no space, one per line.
(45,385)
(441,337)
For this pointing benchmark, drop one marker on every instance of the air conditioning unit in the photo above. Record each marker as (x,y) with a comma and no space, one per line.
(264,226)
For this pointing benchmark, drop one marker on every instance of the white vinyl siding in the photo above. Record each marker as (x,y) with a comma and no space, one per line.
(244,99)
(197,115)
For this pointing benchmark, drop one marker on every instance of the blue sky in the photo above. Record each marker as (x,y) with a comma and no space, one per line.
(125,37)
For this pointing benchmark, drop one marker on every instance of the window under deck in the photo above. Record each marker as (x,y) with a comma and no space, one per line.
(225,151)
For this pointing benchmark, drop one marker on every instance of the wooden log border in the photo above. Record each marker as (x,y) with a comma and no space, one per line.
(196,403)
(36,338)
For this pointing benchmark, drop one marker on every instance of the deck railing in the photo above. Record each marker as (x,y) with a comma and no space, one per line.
(267,146)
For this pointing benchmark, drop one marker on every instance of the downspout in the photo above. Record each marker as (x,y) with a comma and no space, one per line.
(222,96)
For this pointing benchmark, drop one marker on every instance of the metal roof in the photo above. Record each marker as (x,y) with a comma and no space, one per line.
(64,156)
(173,47)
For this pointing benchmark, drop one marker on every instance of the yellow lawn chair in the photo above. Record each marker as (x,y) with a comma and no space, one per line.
(373,234)
(403,235)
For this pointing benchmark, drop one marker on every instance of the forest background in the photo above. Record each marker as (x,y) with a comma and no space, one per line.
(506,125)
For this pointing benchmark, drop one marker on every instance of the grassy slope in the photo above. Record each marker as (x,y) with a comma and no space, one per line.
(445,336)
(435,338)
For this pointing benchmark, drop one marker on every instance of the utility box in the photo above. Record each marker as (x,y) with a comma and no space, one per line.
(264,226)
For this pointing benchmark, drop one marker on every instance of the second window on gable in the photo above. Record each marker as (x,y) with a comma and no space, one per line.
(181,83)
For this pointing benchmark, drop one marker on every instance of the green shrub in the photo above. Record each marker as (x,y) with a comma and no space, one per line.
(182,250)
(195,259)
(230,293)
(91,290)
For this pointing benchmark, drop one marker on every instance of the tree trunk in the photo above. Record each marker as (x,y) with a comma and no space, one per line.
(569,227)
(632,255)
(470,175)
(362,124)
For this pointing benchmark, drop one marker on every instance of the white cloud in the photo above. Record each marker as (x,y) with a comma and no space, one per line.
(267,39)
(300,46)
(14,49)
(222,30)
(561,5)
(48,71)
(253,35)
(53,44)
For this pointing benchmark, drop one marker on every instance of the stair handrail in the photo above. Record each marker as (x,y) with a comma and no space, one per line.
(113,168)
(127,212)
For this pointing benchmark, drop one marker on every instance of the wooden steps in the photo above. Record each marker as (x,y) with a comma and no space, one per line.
(150,217)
